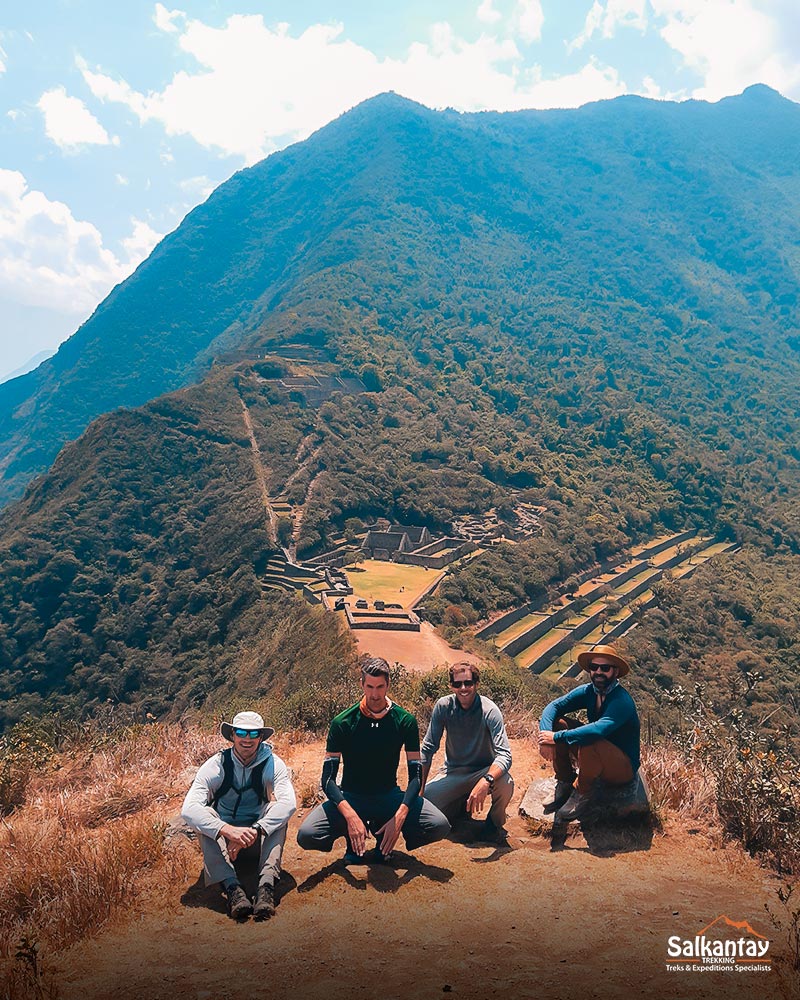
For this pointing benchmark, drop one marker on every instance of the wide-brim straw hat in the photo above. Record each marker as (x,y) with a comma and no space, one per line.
(245,720)
(588,655)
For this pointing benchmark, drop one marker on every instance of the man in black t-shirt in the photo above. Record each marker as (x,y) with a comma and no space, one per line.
(368,738)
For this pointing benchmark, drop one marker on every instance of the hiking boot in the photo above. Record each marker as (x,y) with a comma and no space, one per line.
(351,858)
(575,807)
(563,791)
(491,833)
(239,906)
(264,902)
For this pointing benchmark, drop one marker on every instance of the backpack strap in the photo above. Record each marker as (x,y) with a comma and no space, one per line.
(227,775)
(256,778)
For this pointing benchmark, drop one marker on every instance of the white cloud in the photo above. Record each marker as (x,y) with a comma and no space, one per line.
(165,19)
(138,245)
(487,14)
(606,18)
(121,179)
(49,256)
(651,89)
(69,123)
(258,88)
(592,83)
(13,114)
(529,18)
(732,44)
(198,188)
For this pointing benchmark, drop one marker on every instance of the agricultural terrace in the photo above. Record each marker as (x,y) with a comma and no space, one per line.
(376,580)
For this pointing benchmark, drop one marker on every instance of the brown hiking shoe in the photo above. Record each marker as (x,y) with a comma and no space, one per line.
(239,906)
(264,902)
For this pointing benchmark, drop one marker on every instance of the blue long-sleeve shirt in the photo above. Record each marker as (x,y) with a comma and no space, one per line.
(617,721)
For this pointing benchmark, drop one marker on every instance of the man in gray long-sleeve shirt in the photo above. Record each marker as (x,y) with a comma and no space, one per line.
(477,753)
(241,799)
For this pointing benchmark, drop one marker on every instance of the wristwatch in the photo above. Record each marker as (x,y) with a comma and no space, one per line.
(490,779)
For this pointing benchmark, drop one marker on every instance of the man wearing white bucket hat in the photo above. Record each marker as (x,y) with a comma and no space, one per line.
(240,798)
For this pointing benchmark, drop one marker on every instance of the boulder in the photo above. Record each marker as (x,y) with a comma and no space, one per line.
(610,802)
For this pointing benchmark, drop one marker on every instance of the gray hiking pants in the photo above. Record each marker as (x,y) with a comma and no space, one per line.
(218,865)
(449,791)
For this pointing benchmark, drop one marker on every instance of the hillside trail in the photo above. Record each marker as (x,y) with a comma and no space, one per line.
(468,919)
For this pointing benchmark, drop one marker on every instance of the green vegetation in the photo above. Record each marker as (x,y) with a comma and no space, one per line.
(734,630)
(593,311)
(130,573)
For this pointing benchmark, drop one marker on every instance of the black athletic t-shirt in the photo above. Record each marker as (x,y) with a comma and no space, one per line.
(370,748)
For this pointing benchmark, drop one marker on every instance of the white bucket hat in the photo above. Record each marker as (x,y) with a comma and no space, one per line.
(245,720)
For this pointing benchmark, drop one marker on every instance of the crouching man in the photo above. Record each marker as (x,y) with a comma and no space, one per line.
(477,754)
(368,738)
(241,800)
(605,747)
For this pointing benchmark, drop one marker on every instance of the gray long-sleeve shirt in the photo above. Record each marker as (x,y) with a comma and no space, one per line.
(270,815)
(475,738)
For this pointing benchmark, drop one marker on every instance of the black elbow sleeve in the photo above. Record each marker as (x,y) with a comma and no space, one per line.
(330,768)
(414,781)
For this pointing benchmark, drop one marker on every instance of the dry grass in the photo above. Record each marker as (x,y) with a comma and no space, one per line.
(85,840)
(679,787)
(520,719)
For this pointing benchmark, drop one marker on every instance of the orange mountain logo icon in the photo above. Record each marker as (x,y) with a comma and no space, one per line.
(738,925)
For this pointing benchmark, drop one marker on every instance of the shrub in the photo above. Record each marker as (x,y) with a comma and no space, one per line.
(754,775)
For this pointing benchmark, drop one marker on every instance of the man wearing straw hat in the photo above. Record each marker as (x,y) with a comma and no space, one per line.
(242,798)
(605,747)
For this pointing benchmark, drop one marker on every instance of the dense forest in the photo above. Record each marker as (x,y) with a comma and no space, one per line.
(593,311)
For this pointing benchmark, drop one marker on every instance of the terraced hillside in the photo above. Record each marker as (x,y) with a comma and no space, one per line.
(604,607)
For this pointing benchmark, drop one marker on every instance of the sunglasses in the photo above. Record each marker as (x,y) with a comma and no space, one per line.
(252,734)
(601,668)
(462,684)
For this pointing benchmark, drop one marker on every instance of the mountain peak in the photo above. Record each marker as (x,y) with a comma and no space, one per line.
(761,93)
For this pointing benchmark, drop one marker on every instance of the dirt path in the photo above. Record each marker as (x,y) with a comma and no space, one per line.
(591,920)
(261,475)
(419,652)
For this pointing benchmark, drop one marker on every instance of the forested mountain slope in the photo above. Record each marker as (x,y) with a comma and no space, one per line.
(655,240)
(595,311)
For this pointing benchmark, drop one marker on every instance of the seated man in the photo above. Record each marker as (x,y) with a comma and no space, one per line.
(606,747)
(477,754)
(368,737)
(240,798)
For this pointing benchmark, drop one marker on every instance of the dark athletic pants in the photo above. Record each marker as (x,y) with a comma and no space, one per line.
(425,824)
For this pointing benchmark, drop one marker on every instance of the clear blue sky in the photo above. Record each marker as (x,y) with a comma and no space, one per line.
(116,119)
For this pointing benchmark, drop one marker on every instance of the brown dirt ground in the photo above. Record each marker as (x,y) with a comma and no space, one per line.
(419,652)
(469,919)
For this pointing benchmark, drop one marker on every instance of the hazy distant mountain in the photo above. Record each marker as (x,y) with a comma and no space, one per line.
(29,366)
(622,221)
(595,311)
